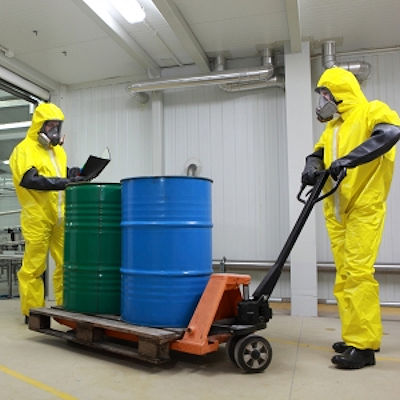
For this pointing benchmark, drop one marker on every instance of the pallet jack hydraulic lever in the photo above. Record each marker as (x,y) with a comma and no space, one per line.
(256,310)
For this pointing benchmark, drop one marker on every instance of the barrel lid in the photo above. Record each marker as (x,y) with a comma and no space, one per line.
(92,183)
(167,177)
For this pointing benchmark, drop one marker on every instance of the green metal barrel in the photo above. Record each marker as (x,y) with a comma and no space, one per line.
(92,248)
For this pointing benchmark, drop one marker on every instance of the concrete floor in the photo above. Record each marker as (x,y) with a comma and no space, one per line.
(34,366)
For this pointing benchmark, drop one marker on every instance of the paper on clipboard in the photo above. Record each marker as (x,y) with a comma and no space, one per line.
(94,165)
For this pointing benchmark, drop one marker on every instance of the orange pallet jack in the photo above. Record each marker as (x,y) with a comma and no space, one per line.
(226,313)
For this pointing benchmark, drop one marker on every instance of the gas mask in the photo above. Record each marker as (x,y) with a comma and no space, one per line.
(327,105)
(50,133)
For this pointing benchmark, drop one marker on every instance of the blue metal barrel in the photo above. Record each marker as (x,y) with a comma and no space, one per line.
(166,248)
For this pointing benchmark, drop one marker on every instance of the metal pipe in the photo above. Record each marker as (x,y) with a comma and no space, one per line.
(222,264)
(219,63)
(276,81)
(265,265)
(329,54)
(380,50)
(360,69)
(239,263)
(266,57)
(382,303)
(378,267)
(230,81)
(329,301)
(261,74)
(141,98)
(191,170)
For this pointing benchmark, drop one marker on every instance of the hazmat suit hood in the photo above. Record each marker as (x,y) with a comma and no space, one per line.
(43,112)
(344,87)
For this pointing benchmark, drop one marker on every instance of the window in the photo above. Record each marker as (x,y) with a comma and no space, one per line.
(15,117)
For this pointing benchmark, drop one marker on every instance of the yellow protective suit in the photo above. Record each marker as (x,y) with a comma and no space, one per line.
(42,214)
(355,213)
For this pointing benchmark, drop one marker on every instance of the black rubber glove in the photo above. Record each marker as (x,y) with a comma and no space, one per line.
(73,172)
(314,164)
(336,169)
(383,138)
(32,180)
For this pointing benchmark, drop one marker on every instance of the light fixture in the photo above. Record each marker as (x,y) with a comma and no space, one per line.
(129,9)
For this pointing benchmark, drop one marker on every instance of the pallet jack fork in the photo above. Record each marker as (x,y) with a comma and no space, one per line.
(218,302)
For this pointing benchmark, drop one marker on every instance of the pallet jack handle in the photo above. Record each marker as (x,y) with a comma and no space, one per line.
(268,284)
(335,186)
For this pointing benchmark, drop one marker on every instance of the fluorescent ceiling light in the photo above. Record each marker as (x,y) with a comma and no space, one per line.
(130,10)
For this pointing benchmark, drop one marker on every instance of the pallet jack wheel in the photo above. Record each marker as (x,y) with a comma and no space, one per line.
(230,347)
(253,353)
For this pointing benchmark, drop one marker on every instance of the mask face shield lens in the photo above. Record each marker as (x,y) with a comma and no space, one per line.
(326,107)
(51,132)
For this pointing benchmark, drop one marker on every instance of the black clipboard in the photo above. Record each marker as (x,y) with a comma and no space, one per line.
(94,166)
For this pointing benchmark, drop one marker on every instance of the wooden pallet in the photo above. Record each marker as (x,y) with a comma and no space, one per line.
(107,333)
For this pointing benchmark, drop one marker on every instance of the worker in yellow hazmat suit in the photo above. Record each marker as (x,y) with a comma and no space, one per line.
(358,140)
(39,168)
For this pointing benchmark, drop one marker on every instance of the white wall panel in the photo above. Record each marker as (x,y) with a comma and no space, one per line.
(384,84)
(240,142)
(108,117)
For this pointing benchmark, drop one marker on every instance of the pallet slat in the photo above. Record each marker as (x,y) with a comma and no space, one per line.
(152,344)
(106,323)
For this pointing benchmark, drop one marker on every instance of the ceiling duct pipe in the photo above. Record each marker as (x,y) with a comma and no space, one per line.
(360,69)
(217,78)
(273,81)
(219,63)
(244,75)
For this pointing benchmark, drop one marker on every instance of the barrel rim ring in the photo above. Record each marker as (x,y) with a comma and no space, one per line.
(167,177)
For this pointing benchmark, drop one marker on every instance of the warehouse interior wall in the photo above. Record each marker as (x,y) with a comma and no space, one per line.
(242,148)
(106,116)
(239,141)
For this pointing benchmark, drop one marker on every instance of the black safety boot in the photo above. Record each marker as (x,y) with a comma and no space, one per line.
(341,347)
(353,358)
(26,320)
